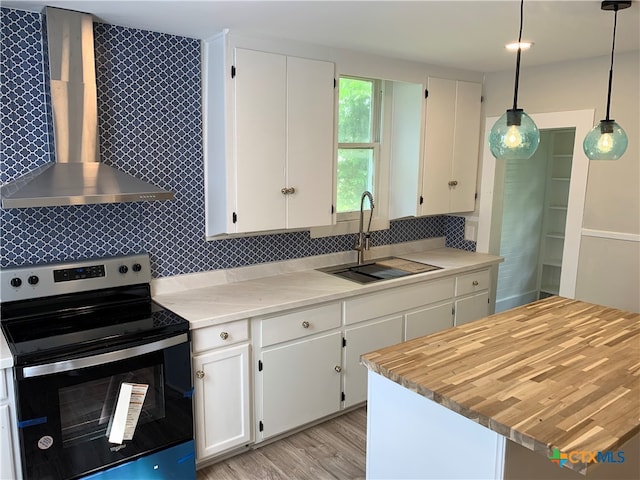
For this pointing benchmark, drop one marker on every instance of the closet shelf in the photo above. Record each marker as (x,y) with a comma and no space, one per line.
(558,235)
(552,262)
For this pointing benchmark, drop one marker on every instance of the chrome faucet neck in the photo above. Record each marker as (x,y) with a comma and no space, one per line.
(363,238)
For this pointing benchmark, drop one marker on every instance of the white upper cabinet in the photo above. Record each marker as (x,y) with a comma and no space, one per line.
(269,123)
(310,146)
(441,177)
(260,140)
(452,140)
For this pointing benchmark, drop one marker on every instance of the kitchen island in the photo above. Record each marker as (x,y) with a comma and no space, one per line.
(513,395)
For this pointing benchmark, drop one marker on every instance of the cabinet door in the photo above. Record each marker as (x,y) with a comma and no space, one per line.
(300,382)
(363,339)
(7,469)
(472,308)
(222,402)
(439,138)
(451,146)
(465,146)
(310,114)
(428,320)
(260,140)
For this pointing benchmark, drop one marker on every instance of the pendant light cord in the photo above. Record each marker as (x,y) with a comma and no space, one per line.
(515,89)
(613,48)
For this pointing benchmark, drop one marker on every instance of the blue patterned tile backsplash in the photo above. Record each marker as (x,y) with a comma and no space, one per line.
(149,107)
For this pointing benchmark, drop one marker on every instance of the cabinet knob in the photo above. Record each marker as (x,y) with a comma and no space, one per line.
(453,183)
(224,335)
(305,324)
(288,190)
(199,374)
(337,368)
(475,283)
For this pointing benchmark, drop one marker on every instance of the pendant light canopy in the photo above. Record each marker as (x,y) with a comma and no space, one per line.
(607,140)
(514,135)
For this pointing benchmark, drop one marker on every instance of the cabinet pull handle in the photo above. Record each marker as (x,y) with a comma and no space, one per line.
(453,183)
(288,190)
(200,374)
(337,368)
(224,335)
(475,283)
(305,324)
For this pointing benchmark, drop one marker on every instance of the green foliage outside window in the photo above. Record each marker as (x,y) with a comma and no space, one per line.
(355,125)
(355,175)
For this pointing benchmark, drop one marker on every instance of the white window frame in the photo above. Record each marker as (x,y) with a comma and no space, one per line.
(348,222)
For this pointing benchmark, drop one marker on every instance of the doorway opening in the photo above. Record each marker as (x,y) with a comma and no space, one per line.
(534,217)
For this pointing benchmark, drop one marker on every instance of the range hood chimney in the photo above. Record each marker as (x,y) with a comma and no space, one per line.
(77,177)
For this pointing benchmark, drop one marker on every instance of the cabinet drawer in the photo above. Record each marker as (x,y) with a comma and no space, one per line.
(397,300)
(219,335)
(472,282)
(299,324)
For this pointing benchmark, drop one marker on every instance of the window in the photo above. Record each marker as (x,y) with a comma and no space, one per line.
(363,153)
(359,125)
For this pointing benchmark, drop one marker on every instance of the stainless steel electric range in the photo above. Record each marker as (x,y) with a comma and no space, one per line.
(102,374)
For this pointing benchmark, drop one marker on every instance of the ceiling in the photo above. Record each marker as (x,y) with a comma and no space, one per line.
(462,34)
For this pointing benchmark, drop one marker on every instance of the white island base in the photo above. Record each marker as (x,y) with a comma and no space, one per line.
(412,437)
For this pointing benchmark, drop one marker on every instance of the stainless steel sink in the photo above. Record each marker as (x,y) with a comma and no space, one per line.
(378,270)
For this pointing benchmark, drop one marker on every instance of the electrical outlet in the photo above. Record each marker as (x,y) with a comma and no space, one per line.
(470,233)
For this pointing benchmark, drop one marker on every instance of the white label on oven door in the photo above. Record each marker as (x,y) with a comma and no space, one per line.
(45,442)
(125,418)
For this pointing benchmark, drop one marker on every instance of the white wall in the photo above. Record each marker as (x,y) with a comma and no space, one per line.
(609,268)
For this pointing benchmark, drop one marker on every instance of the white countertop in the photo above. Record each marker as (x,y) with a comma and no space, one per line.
(219,303)
(219,296)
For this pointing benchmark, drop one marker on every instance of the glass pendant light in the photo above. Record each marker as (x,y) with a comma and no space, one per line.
(514,135)
(607,140)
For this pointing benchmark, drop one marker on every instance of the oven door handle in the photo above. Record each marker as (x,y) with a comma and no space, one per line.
(102,358)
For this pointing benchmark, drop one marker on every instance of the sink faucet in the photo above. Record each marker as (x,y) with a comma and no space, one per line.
(364,238)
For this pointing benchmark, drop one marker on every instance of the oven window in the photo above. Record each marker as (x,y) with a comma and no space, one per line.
(86,409)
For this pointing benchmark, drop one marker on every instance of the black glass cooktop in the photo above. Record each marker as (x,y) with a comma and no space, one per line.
(69,326)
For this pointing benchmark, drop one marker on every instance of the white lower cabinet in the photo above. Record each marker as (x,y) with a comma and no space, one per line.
(7,467)
(9,456)
(472,296)
(472,307)
(306,362)
(300,383)
(222,403)
(298,368)
(427,320)
(361,339)
(377,320)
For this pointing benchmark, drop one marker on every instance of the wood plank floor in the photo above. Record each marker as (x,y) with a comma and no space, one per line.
(332,450)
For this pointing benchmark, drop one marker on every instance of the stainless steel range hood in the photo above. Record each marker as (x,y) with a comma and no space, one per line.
(77,177)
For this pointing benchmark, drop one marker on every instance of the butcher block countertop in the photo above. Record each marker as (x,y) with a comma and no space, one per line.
(556,373)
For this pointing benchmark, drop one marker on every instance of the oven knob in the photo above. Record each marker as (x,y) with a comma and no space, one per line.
(33,280)
(136,267)
(123,269)
(15,282)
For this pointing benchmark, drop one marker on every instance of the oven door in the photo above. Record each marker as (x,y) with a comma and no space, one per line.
(80,416)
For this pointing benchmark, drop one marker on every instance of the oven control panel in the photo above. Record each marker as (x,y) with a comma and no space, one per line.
(43,280)
(79,273)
